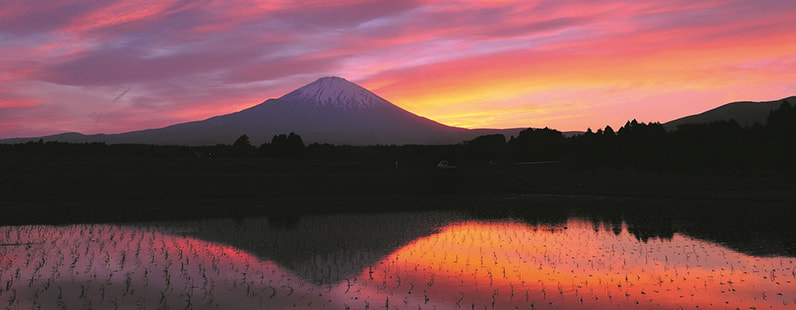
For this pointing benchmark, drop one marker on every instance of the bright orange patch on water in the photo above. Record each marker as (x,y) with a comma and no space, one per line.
(508,265)
(466,265)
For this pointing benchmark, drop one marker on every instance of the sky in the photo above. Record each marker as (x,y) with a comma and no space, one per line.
(101,66)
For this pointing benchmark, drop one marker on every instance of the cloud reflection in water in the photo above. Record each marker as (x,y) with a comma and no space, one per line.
(500,264)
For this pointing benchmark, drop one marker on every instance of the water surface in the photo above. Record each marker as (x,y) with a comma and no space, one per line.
(432,260)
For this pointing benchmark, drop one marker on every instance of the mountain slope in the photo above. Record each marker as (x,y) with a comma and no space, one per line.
(329,110)
(745,113)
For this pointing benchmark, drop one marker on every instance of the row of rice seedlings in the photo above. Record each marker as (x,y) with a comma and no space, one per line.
(472,265)
(107,266)
(506,265)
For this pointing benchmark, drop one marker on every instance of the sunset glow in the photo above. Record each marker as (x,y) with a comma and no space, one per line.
(502,264)
(510,265)
(115,66)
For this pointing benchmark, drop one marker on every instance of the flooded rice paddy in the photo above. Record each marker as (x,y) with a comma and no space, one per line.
(430,260)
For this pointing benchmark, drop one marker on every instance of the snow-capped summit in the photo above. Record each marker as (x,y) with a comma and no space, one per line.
(335,92)
(329,110)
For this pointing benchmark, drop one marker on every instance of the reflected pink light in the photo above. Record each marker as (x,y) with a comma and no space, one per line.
(508,265)
(478,264)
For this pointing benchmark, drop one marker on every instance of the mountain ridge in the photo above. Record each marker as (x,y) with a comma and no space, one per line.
(329,110)
(746,113)
(334,106)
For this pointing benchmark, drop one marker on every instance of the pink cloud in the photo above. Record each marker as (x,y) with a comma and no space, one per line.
(469,63)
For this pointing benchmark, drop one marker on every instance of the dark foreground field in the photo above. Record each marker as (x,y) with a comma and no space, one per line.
(318,220)
(751,212)
(60,190)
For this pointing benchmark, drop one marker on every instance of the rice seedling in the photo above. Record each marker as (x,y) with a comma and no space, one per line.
(455,263)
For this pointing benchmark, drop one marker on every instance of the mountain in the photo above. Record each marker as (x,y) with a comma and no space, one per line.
(329,110)
(357,241)
(745,113)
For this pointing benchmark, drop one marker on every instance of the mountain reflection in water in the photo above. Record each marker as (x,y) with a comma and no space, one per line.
(468,264)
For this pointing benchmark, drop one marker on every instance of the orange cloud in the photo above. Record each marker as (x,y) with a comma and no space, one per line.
(656,64)
(564,64)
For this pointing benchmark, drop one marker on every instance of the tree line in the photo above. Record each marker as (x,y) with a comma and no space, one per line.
(722,145)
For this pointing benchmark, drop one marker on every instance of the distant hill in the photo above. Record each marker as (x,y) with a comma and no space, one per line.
(329,110)
(745,113)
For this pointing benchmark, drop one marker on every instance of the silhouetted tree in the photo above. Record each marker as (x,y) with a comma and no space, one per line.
(486,147)
(642,144)
(242,142)
(242,146)
(609,131)
(711,145)
(781,120)
(537,144)
(285,146)
(779,134)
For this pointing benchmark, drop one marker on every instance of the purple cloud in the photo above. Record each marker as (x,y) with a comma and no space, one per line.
(62,63)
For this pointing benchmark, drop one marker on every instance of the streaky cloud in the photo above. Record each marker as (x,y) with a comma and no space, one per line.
(468,63)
